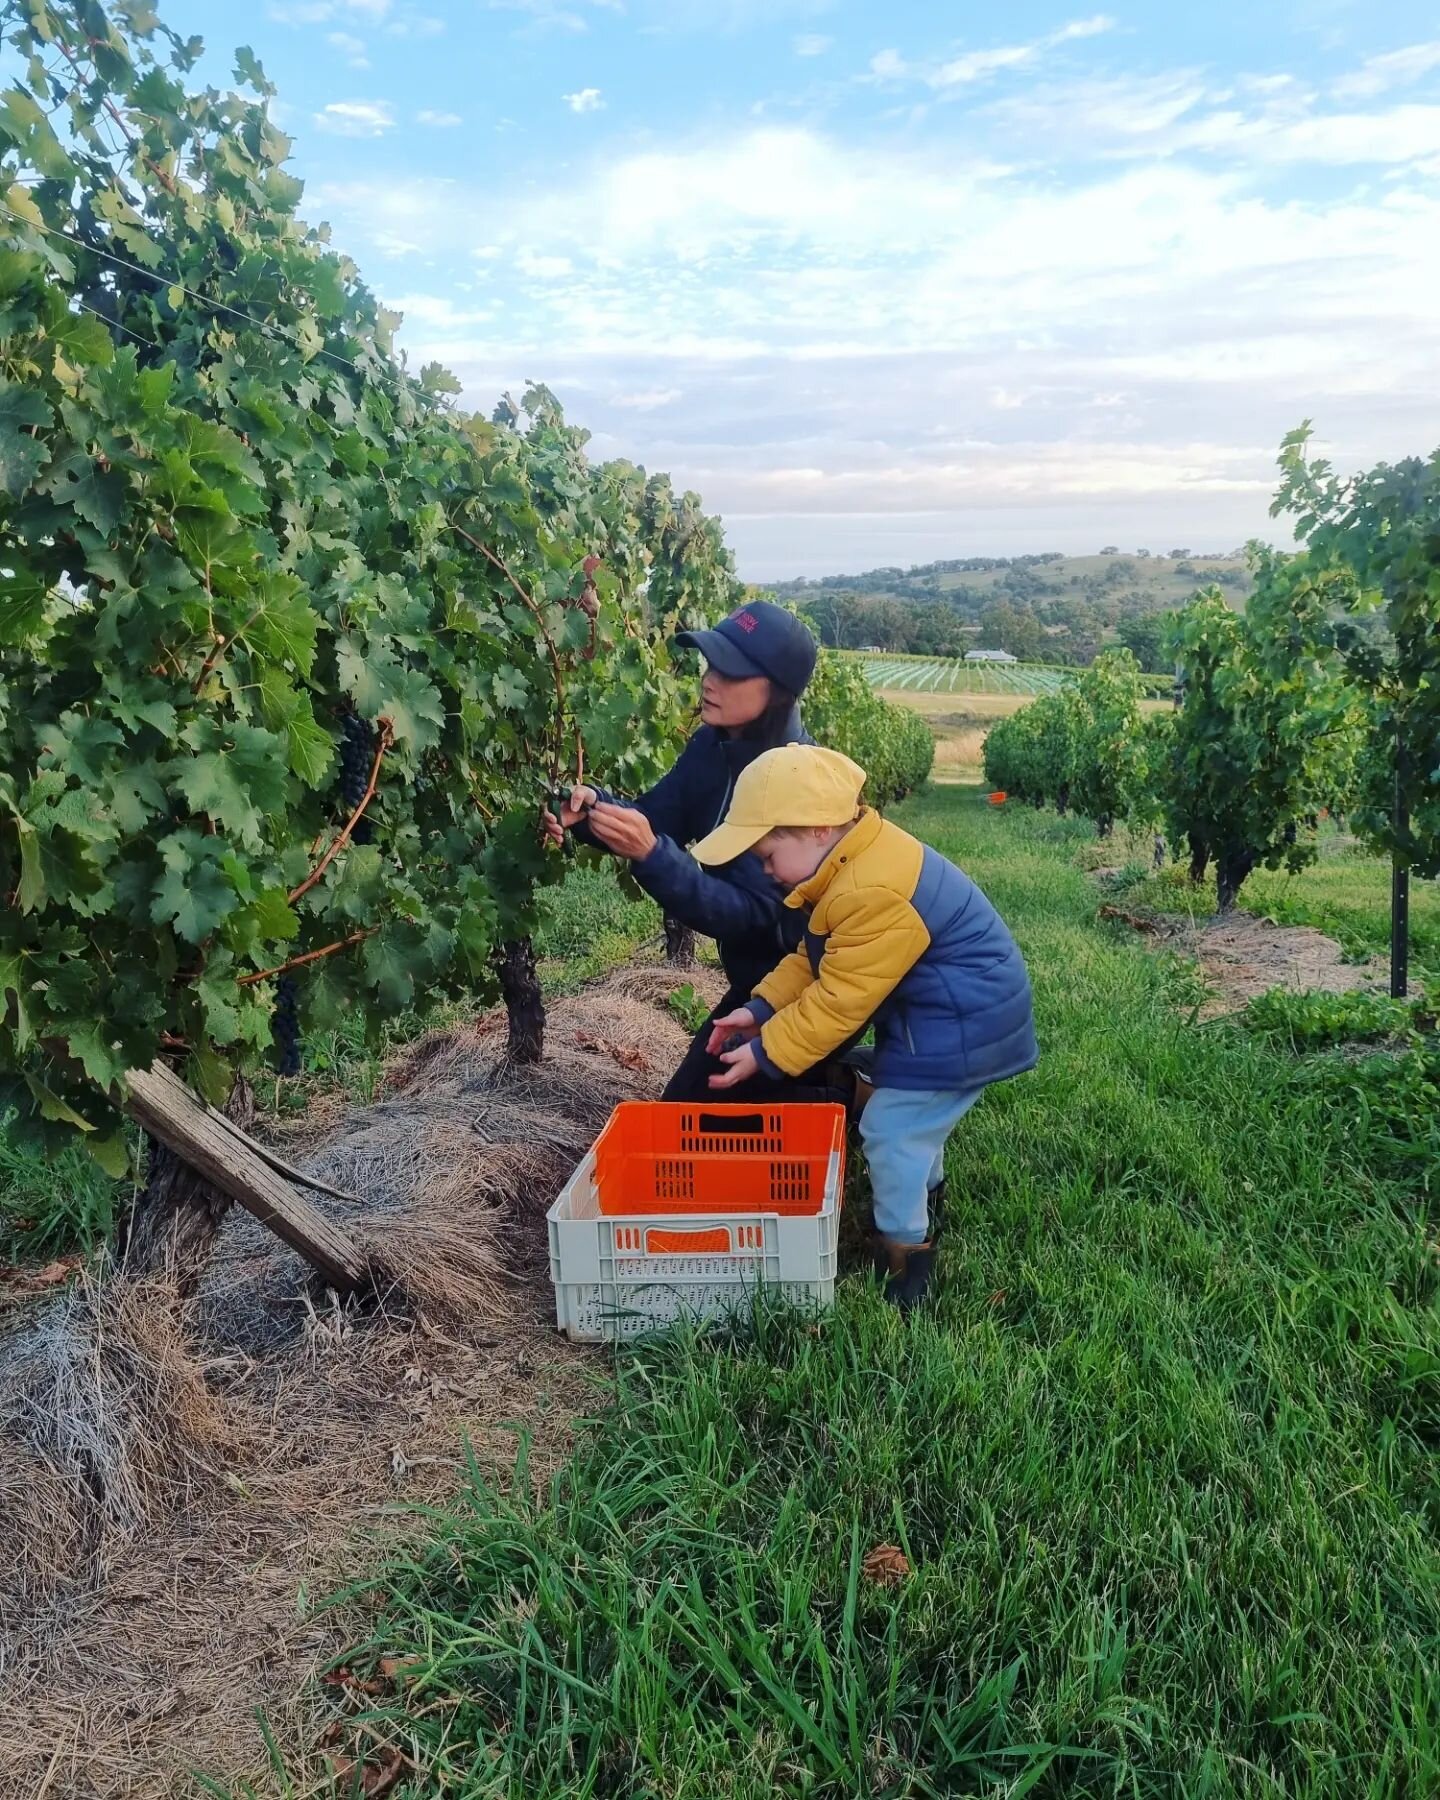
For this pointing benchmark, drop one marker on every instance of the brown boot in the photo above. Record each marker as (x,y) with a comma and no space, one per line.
(906,1270)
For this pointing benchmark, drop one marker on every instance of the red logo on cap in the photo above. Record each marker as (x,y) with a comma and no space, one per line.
(746,621)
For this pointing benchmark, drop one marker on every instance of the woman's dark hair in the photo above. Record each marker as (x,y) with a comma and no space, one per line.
(771,727)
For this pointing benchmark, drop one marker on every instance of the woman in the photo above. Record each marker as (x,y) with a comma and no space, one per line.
(759,661)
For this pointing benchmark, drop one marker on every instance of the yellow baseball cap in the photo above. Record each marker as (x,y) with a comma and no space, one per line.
(798,784)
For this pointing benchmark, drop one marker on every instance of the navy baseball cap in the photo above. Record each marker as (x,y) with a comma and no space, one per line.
(759,638)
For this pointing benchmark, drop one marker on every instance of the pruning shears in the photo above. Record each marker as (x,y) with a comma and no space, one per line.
(559,799)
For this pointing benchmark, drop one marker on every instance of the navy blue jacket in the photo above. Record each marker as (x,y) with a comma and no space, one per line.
(737,905)
(897,935)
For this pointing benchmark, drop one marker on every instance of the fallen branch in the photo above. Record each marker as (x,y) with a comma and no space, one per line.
(386,738)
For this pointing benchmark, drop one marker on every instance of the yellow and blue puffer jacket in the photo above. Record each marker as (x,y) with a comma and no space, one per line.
(899,935)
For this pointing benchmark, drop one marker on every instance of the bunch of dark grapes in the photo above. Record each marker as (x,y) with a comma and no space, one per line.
(285,1027)
(357,754)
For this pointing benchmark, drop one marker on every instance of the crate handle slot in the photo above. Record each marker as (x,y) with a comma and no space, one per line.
(713,1240)
(723,1125)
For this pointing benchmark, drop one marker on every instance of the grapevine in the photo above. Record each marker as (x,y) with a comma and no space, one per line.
(289,644)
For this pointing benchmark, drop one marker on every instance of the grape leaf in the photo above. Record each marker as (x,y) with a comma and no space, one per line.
(97,496)
(284,627)
(382,687)
(12,975)
(509,688)
(135,797)
(275,916)
(235,776)
(216,991)
(85,338)
(111,1153)
(21,456)
(98,1058)
(31,892)
(23,603)
(193,894)
(392,961)
(52,1107)
(80,747)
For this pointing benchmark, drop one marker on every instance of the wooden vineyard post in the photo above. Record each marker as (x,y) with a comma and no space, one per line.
(209,1144)
(1400,883)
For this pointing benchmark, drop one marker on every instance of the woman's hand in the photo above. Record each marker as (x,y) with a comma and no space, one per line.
(736,1027)
(741,1064)
(623,830)
(570,814)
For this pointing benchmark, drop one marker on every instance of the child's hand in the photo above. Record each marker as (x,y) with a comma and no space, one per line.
(736,1025)
(741,1065)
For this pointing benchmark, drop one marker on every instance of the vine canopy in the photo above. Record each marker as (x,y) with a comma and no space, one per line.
(230,518)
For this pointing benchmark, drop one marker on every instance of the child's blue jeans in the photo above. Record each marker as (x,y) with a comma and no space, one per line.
(904,1131)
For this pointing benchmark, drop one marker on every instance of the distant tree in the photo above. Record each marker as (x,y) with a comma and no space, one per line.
(1111,550)
(1179,555)
(1004,626)
(1144,637)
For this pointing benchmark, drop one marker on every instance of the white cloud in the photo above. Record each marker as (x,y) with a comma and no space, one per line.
(350,47)
(415,25)
(321,12)
(587,100)
(979,65)
(538,267)
(436,314)
(1100,336)
(1179,114)
(649,400)
(441,121)
(555,15)
(356,118)
(811,44)
(1398,68)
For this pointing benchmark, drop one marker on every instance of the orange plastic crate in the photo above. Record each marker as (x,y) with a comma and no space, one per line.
(674,1157)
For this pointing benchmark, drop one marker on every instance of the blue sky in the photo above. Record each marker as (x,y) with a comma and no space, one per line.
(888,283)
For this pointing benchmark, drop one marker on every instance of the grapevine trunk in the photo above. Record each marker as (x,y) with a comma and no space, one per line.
(524,1004)
(1231,870)
(679,944)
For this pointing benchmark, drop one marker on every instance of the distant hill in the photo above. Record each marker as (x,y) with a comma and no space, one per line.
(1048,608)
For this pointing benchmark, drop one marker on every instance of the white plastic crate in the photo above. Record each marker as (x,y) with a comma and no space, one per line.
(622,1276)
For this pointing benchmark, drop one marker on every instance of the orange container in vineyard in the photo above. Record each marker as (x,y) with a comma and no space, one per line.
(667,1157)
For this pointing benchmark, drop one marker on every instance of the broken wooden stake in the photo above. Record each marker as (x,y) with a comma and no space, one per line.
(214,1148)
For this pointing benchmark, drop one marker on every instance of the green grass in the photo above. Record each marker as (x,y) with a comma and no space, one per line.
(51,1205)
(1162,1458)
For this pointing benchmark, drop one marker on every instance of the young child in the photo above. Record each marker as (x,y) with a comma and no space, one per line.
(895,934)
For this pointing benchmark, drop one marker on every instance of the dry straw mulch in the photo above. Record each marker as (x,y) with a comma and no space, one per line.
(181,1485)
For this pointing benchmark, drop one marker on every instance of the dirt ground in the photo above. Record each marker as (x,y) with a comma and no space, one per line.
(150,1657)
(1241,956)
